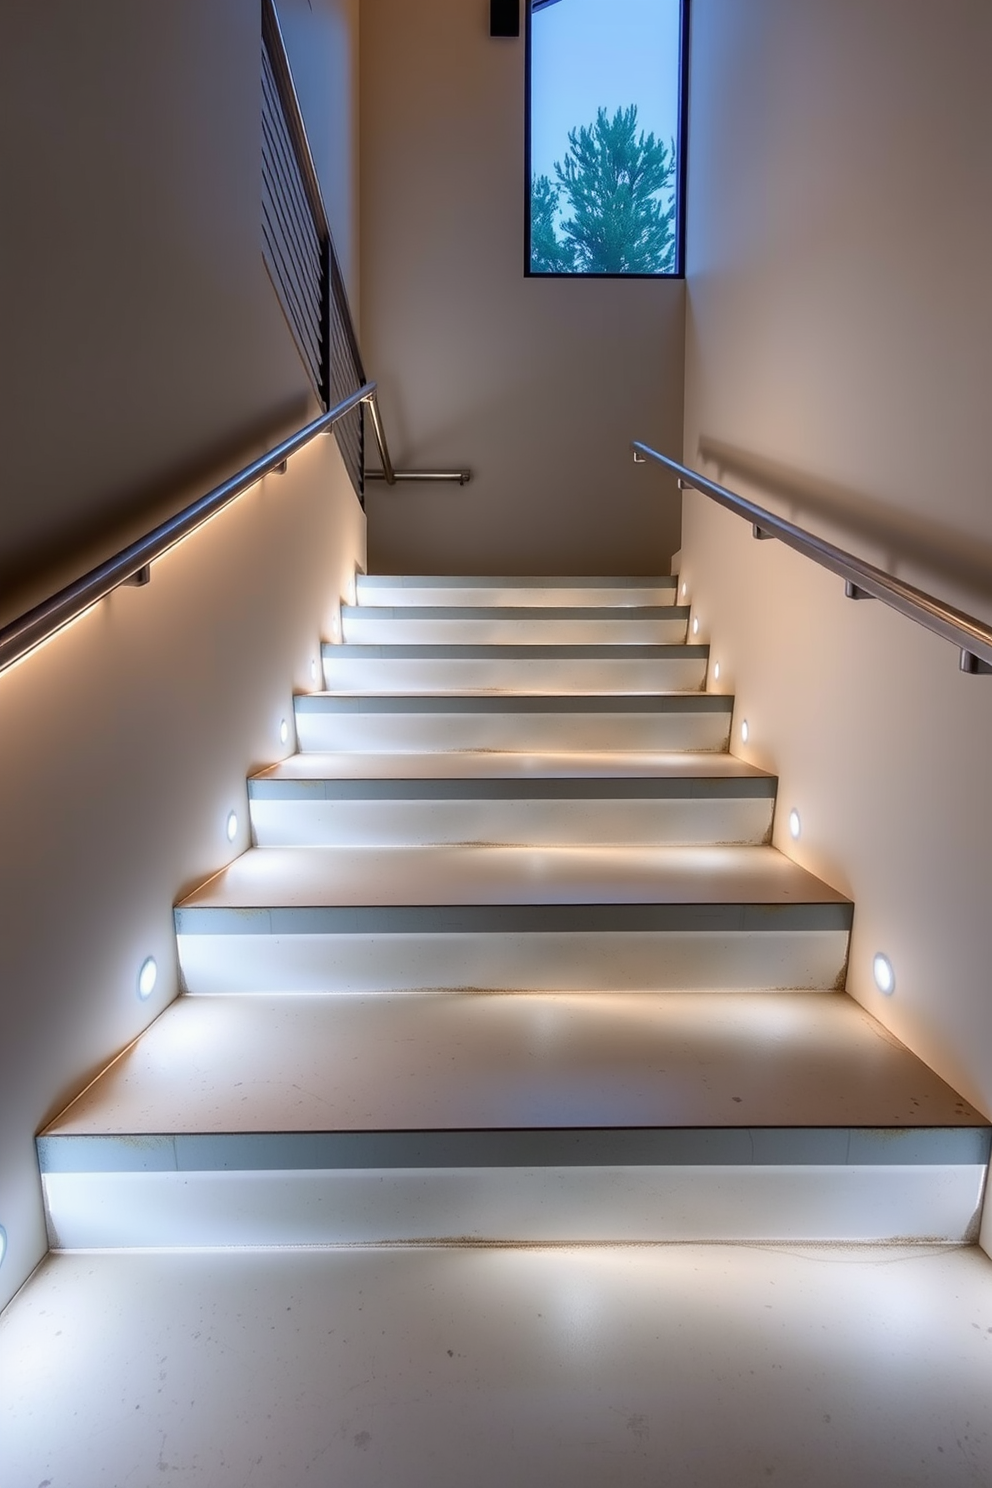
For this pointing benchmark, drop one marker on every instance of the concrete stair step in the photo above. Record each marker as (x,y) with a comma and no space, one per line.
(253,1120)
(508,723)
(387,589)
(464,796)
(530,625)
(642,1365)
(553,669)
(357,918)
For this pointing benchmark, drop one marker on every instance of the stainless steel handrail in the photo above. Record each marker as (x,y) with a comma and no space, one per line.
(132,564)
(389,474)
(861,580)
(449,476)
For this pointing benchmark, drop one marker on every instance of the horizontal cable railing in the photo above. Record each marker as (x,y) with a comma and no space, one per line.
(132,565)
(861,580)
(304,268)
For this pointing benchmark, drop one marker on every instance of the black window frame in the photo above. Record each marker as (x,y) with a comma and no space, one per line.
(681,152)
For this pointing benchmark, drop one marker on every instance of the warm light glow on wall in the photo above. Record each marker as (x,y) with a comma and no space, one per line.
(745,731)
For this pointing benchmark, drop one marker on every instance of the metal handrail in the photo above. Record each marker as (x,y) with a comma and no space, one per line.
(132,565)
(861,580)
(441,476)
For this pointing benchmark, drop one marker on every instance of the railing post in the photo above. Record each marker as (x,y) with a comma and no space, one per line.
(389,474)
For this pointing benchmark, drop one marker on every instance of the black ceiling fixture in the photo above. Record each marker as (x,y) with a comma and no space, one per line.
(504,17)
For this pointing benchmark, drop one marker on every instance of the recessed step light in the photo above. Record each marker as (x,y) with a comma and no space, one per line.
(284,732)
(885,977)
(232,826)
(716,672)
(745,731)
(147,977)
(795,824)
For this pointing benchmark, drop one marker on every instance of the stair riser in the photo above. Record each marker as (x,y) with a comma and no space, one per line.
(541,674)
(371,629)
(563,1204)
(590,962)
(514,593)
(381,733)
(533,822)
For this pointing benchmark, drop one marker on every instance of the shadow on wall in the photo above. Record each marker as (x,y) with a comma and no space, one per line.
(900,536)
(27,577)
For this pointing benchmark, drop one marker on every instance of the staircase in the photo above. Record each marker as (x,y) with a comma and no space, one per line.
(511,991)
(513,961)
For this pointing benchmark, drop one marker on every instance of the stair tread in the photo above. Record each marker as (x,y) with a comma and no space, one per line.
(493,874)
(469,1061)
(506,651)
(472,700)
(519,614)
(514,581)
(476,764)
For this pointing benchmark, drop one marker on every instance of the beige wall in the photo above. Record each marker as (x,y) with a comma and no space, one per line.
(146,353)
(537,385)
(839,350)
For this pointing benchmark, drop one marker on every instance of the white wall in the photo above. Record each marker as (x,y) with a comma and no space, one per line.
(839,351)
(149,356)
(537,385)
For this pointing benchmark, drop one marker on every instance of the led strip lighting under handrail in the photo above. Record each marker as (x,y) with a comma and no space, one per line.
(132,564)
(861,580)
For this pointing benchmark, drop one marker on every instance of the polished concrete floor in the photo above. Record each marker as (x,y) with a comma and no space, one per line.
(678,1366)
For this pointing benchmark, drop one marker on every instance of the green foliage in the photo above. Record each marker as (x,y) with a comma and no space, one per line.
(548,254)
(618,185)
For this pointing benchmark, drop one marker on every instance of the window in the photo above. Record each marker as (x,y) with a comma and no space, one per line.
(606,136)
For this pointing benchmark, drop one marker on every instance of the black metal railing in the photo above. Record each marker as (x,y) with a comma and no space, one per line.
(299,250)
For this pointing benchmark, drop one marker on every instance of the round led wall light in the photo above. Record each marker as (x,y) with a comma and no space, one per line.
(685,588)
(232,826)
(716,672)
(695,625)
(885,977)
(147,977)
(795,825)
(745,732)
(284,732)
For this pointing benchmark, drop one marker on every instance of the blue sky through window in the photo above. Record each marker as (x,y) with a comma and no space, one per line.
(592,54)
